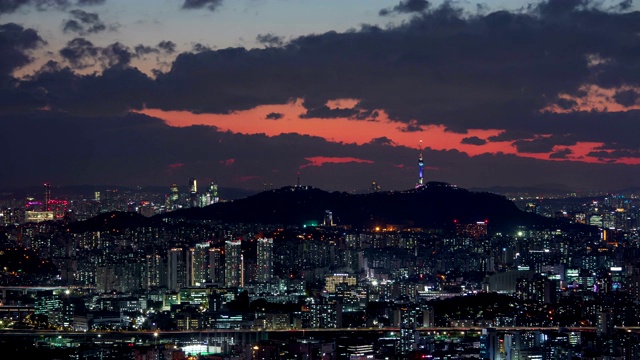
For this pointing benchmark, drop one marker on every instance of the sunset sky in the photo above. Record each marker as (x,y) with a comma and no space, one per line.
(343,93)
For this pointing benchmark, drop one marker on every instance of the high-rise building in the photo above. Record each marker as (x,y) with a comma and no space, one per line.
(326,315)
(428,316)
(264,264)
(47,197)
(489,344)
(333,280)
(233,263)
(216,266)
(174,196)
(176,269)
(199,264)
(212,193)
(193,193)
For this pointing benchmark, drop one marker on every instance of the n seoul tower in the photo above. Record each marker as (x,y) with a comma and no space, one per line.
(420,166)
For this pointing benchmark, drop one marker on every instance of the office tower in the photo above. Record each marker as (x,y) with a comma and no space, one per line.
(47,197)
(216,266)
(420,166)
(111,200)
(233,263)
(176,269)
(193,193)
(174,196)
(212,193)
(264,260)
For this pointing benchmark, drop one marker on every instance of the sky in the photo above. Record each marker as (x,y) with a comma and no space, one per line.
(338,94)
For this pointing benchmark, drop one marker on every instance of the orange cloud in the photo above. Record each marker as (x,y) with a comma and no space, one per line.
(321,160)
(350,131)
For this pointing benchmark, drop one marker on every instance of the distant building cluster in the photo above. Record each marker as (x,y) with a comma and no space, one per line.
(41,207)
(461,290)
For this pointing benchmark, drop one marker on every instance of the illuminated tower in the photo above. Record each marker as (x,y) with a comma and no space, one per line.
(212,193)
(47,197)
(265,260)
(420,165)
(232,263)
(193,193)
(174,195)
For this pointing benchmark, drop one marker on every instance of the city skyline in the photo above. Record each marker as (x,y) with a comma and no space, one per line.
(525,94)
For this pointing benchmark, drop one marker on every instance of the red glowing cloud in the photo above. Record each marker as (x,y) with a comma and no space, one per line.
(228,162)
(175,166)
(321,160)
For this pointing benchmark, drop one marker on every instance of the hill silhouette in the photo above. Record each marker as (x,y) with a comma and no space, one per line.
(436,206)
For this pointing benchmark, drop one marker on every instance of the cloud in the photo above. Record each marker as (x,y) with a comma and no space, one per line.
(614,154)
(566,104)
(322,160)
(412,126)
(627,97)
(320,109)
(90,2)
(560,154)
(274,116)
(473,140)
(202,4)
(198,48)
(10,6)
(543,144)
(116,55)
(164,47)
(553,8)
(91,95)
(487,71)
(116,157)
(382,141)
(15,44)
(511,135)
(406,6)
(168,47)
(270,40)
(84,23)
(80,53)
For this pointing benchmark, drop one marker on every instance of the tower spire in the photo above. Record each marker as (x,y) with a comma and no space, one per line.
(420,166)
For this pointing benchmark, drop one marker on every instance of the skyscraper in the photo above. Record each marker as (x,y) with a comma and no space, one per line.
(212,193)
(193,193)
(174,196)
(47,197)
(232,263)
(420,166)
(264,260)
(176,269)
